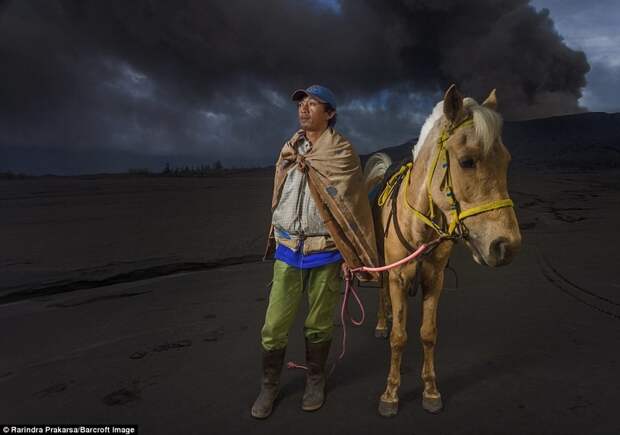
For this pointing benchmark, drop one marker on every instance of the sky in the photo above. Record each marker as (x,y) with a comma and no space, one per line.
(91,86)
(592,26)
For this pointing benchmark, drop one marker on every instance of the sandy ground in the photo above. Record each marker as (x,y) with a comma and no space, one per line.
(532,348)
(61,230)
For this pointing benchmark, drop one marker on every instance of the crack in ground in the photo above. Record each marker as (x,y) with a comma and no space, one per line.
(97,299)
(562,283)
(131,276)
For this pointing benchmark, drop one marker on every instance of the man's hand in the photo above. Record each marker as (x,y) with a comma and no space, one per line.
(364,276)
(289,152)
(344,268)
(299,135)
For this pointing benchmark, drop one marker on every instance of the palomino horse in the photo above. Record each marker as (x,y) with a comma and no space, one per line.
(455,189)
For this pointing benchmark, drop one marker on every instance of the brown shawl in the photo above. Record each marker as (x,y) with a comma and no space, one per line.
(336,184)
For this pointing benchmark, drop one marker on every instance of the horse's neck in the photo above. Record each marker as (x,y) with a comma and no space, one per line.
(415,193)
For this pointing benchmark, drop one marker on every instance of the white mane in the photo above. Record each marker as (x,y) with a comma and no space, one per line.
(487,124)
(427,127)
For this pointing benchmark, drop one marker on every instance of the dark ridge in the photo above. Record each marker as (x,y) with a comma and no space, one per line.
(132,276)
(97,299)
(588,141)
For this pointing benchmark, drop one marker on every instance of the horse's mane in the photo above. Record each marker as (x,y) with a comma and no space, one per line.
(487,124)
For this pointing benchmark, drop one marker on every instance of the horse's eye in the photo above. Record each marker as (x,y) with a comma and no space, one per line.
(467,163)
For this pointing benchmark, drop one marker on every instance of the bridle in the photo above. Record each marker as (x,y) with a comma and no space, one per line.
(456,228)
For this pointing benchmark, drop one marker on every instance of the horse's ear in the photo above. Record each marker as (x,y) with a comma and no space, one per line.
(491,101)
(452,103)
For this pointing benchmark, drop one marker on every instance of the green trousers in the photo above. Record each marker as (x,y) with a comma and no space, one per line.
(289,283)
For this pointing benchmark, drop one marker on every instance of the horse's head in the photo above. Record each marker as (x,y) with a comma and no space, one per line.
(478,164)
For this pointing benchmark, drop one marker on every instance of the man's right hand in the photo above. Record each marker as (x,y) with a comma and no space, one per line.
(299,135)
(289,151)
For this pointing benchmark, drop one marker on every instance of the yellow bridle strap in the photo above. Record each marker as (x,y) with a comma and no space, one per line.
(431,173)
(493,205)
(418,213)
(441,152)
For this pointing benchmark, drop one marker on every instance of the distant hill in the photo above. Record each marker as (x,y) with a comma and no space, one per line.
(584,141)
(588,141)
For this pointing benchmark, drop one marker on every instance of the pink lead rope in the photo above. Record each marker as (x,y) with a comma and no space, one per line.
(349,289)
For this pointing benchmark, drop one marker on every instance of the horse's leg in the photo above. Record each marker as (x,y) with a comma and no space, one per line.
(381,330)
(388,405)
(432,284)
(382,324)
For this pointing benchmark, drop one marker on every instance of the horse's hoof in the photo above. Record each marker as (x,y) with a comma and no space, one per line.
(381,333)
(388,409)
(433,405)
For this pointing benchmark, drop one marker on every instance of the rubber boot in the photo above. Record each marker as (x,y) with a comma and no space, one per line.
(272,367)
(314,394)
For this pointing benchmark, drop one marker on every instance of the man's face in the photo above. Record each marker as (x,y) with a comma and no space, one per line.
(312,114)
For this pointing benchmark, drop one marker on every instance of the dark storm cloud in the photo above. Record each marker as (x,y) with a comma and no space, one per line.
(592,29)
(212,79)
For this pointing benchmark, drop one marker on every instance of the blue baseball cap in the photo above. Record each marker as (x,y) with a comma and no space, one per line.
(321,93)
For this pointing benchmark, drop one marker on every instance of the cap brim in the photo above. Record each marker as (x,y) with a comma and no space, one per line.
(300,94)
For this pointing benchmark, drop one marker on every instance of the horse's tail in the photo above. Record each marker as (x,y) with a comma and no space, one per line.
(375,168)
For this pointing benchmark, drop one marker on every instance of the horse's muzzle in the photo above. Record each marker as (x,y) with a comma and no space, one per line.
(502,251)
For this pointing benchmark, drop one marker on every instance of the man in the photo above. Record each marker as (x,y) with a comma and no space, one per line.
(321,217)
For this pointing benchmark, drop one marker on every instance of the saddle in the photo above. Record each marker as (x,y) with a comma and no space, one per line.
(391,170)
